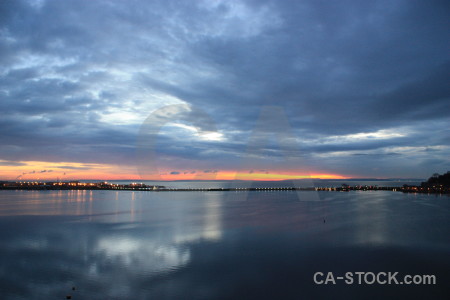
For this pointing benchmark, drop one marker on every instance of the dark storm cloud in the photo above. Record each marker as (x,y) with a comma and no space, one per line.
(12,163)
(77,88)
(210,171)
(73,168)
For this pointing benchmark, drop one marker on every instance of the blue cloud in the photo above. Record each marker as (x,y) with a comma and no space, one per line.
(78,88)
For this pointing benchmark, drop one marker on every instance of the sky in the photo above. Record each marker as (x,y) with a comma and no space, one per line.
(263,90)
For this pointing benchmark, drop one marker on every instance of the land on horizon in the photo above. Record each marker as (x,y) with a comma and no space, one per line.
(437,183)
(223,90)
(212,180)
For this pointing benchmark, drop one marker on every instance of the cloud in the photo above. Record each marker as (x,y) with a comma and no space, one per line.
(78,88)
(175,173)
(210,171)
(73,167)
(12,163)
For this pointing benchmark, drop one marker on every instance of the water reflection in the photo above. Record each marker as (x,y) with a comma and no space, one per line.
(372,218)
(194,245)
(100,259)
(142,255)
(199,223)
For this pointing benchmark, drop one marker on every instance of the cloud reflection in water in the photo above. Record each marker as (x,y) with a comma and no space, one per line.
(201,246)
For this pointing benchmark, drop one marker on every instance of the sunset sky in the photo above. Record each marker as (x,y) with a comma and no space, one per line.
(212,89)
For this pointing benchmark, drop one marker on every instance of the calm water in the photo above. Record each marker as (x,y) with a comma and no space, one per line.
(219,245)
(283,183)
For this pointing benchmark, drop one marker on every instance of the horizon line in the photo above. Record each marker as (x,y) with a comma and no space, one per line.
(172,180)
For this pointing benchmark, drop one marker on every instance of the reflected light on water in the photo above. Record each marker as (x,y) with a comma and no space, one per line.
(209,225)
(143,255)
(206,245)
(372,217)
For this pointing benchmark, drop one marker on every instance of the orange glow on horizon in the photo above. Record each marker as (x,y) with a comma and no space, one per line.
(66,171)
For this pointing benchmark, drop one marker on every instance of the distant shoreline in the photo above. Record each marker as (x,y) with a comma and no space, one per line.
(76,185)
(227,180)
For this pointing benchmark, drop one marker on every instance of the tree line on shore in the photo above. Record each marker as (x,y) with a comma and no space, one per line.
(438,180)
